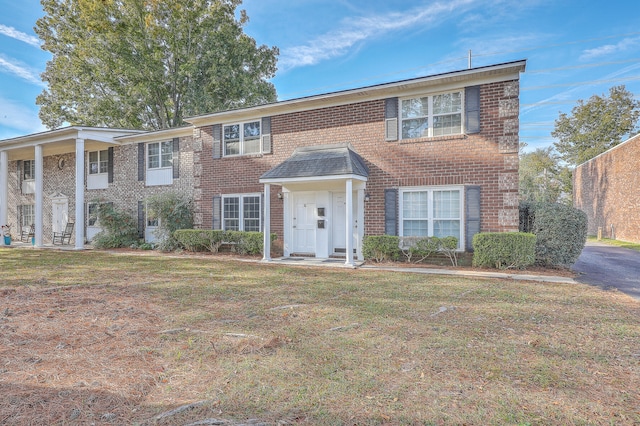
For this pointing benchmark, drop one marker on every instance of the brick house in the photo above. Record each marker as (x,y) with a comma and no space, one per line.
(606,189)
(435,155)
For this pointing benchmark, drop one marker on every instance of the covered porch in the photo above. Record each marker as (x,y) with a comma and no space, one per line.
(323,195)
(69,145)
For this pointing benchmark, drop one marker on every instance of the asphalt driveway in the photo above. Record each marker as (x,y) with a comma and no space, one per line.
(610,267)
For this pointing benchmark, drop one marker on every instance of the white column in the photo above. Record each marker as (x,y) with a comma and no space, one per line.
(349,216)
(360,221)
(267,223)
(4,192)
(79,226)
(39,195)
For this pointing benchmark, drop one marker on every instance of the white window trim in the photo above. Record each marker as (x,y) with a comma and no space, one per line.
(430,190)
(160,167)
(22,215)
(430,115)
(241,209)
(99,160)
(241,141)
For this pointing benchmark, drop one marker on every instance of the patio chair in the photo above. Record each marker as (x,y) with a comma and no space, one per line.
(61,237)
(27,233)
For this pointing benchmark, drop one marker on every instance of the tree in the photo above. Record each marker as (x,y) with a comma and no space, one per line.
(541,176)
(148,63)
(596,125)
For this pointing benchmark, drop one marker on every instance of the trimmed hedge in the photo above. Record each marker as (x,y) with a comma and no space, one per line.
(561,232)
(381,247)
(210,240)
(504,250)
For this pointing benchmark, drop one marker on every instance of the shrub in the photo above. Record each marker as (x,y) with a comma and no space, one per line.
(119,228)
(504,250)
(174,211)
(561,232)
(210,240)
(381,247)
(449,246)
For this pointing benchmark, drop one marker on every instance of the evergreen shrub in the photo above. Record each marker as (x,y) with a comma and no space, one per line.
(561,232)
(504,250)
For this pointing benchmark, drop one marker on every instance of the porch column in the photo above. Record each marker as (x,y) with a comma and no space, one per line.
(39,229)
(360,222)
(4,190)
(349,216)
(267,224)
(79,226)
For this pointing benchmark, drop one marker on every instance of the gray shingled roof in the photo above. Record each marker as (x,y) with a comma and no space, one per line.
(324,160)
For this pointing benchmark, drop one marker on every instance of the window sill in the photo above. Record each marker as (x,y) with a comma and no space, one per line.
(256,155)
(433,139)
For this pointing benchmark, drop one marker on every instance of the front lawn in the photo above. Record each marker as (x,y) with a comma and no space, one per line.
(94,337)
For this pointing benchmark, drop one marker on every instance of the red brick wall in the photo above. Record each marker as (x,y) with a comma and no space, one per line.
(488,159)
(607,190)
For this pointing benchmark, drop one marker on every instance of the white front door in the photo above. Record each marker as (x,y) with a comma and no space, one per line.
(60,214)
(339,222)
(304,224)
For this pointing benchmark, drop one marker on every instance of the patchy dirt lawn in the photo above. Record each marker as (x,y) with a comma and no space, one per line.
(100,338)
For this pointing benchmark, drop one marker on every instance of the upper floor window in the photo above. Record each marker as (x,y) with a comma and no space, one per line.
(98,162)
(242,138)
(435,115)
(29,170)
(160,155)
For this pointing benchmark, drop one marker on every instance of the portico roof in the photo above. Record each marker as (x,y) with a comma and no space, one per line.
(319,163)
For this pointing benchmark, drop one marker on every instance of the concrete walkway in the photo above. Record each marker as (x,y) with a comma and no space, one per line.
(339,263)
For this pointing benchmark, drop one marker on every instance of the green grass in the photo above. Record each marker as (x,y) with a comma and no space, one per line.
(624,244)
(149,332)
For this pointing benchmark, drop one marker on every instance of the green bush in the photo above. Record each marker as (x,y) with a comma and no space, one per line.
(210,240)
(174,211)
(561,232)
(381,247)
(119,228)
(504,250)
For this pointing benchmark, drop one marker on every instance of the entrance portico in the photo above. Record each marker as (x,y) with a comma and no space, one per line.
(323,193)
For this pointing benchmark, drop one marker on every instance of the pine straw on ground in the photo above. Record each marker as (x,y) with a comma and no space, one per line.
(99,338)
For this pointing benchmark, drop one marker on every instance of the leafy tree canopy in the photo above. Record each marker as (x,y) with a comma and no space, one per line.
(148,63)
(596,125)
(543,178)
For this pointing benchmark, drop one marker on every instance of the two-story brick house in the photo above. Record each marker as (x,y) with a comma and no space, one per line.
(435,155)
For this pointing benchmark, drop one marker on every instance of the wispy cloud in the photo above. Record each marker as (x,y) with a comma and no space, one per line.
(14,67)
(19,35)
(357,30)
(610,49)
(18,117)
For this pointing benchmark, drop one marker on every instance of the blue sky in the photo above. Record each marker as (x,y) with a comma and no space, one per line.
(574,49)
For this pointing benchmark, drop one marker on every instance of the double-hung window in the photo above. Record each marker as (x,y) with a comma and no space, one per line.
(160,155)
(29,170)
(98,162)
(241,212)
(427,212)
(27,215)
(242,138)
(434,115)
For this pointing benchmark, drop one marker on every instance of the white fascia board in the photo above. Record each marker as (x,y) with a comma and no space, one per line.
(157,135)
(313,179)
(439,82)
(66,134)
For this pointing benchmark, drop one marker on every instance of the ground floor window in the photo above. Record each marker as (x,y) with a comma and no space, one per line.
(27,215)
(431,211)
(92,212)
(241,212)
